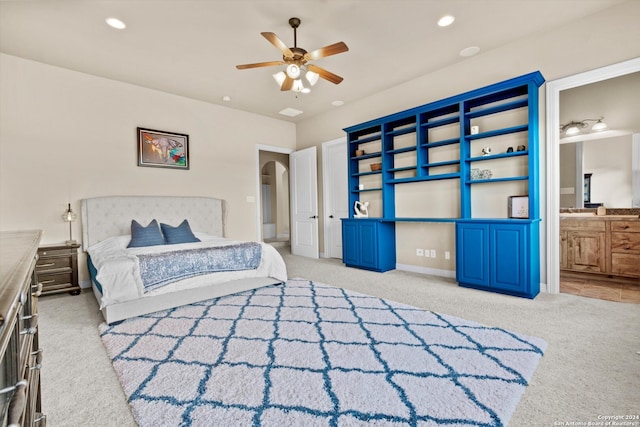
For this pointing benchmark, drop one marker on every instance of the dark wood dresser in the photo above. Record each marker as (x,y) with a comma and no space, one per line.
(20,352)
(57,268)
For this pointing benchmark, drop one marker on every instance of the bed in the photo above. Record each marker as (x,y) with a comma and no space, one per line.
(106,232)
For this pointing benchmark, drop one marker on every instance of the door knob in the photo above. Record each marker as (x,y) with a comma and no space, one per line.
(330,216)
(313,217)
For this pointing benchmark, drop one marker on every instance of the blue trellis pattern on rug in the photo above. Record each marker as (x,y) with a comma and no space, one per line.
(309,354)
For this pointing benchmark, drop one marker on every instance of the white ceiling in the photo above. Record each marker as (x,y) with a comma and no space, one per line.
(191,47)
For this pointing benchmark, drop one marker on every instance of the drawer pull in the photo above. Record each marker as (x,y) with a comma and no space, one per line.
(31,331)
(51,264)
(42,417)
(38,354)
(37,290)
(6,390)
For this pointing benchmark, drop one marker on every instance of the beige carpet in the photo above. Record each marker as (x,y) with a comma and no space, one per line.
(591,367)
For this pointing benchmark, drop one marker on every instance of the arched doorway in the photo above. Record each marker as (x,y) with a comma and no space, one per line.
(274,198)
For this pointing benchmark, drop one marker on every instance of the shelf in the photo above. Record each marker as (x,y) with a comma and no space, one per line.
(405,168)
(366,173)
(425,178)
(402,131)
(440,122)
(438,164)
(497,156)
(498,108)
(498,132)
(401,150)
(364,190)
(441,143)
(377,137)
(425,219)
(367,156)
(511,178)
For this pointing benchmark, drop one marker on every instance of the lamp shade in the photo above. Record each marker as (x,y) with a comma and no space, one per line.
(69,215)
(572,130)
(599,126)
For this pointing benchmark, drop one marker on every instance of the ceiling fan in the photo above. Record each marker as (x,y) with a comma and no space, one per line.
(296,59)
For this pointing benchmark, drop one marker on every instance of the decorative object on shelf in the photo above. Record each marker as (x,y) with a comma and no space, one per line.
(475,173)
(486,174)
(486,151)
(361,209)
(475,130)
(376,167)
(162,149)
(70,217)
(359,153)
(296,61)
(575,127)
(521,148)
(519,207)
(510,150)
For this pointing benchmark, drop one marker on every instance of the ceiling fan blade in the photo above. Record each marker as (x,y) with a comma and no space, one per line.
(323,52)
(259,64)
(327,75)
(274,40)
(287,84)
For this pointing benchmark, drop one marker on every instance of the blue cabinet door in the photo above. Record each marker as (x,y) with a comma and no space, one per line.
(369,245)
(350,243)
(472,259)
(508,257)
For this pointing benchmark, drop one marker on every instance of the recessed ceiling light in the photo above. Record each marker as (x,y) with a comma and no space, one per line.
(226,98)
(116,23)
(469,51)
(291,112)
(446,20)
(337,103)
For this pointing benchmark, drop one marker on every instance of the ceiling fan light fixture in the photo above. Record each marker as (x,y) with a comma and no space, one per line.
(312,77)
(298,86)
(279,77)
(293,71)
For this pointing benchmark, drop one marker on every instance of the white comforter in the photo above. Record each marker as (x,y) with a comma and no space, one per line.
(119,274)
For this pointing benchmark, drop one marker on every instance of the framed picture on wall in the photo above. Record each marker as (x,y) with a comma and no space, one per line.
(518,206)
(162,149)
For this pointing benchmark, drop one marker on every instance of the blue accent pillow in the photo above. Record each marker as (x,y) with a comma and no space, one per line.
(179,234)
(145,236)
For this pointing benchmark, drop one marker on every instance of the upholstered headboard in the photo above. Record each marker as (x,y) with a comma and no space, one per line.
(104,217)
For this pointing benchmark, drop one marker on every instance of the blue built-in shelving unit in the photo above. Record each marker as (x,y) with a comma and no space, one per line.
(499,253)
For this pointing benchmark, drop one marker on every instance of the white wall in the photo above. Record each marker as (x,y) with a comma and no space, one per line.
(597,40)
(65,136)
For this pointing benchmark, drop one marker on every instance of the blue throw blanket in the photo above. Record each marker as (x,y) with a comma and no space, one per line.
(158,270)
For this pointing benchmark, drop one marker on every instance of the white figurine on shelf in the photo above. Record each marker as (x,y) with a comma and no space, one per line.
(361,209)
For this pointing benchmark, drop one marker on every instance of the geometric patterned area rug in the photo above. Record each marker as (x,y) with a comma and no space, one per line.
(310,354)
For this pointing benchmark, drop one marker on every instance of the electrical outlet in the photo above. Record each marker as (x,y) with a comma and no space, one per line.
(426,253)
(419,252)
(447,255)
(433,253)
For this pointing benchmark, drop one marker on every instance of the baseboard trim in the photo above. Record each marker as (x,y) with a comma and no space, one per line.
(427,270)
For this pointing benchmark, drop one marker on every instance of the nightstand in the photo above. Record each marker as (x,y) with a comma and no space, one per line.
(57,268)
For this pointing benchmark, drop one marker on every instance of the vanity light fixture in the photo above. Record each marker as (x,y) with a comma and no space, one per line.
(575,127)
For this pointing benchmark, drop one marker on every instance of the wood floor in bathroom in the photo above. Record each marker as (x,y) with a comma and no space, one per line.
(602,287)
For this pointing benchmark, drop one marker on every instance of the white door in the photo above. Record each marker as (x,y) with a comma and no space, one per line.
(335,194)
(304,202)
